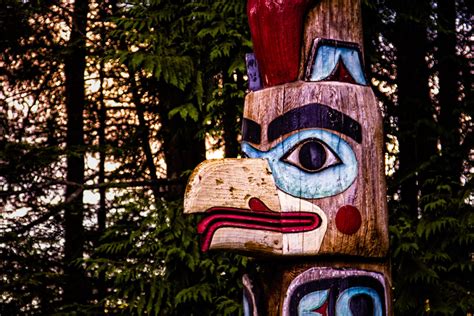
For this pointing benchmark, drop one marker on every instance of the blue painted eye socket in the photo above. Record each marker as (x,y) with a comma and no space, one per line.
(359,301)
(310,164)
(312,304)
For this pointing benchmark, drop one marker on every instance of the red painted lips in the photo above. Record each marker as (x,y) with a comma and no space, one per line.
(277,30)
(258,217)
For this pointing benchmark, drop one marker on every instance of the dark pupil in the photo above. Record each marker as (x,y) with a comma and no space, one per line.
(312,156)
(362,305)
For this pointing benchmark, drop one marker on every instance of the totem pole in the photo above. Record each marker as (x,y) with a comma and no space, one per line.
(308,200)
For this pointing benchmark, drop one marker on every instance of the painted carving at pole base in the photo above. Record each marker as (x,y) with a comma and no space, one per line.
(332,292)
(327,291)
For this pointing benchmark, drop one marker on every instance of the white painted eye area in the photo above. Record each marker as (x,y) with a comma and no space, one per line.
(311,155)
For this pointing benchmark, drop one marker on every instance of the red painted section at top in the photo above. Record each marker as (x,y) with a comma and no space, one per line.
(277,31)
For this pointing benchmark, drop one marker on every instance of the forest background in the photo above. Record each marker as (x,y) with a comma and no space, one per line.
(106,106)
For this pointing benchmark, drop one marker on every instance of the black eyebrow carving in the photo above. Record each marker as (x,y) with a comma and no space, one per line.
(314,115)
(251,131)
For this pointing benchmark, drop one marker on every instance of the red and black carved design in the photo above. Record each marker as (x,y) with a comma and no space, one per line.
(257,217)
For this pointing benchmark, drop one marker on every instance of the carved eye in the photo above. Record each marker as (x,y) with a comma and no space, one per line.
(359,301)
(310,164)
(312,155)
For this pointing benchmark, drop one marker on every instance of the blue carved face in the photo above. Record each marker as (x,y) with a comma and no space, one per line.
(308,187)
(310,164)
(314,162)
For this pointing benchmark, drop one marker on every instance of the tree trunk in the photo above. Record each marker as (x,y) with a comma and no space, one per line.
(448,87)
(183,148)
(75,290)
(102,116)
(417,137)
(144,136)
(229,121)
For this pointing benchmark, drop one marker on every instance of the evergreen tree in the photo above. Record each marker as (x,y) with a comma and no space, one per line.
(113,108)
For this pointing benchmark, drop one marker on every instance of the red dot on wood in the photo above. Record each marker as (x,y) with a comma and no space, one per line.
(348,219)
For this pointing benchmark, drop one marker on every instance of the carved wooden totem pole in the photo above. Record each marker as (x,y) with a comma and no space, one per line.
(308,200)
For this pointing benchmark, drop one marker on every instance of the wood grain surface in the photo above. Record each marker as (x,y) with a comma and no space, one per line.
(230,182)
(331,19)
(367,192)
(309,200)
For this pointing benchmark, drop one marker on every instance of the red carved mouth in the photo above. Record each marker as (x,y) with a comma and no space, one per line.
(258,217)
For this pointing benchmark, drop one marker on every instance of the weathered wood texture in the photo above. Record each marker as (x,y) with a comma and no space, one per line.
(282,283)
(230,183)
(312,187)
(323,145)
(331,19)
(280,27)
(225,188)
(367,192)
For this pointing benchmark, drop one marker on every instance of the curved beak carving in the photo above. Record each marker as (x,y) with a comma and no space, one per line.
(243,210)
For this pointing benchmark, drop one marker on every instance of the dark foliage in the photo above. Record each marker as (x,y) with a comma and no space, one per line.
(160,76)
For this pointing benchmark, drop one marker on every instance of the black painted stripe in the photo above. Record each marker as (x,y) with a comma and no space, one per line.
(314,115)
(251,131)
